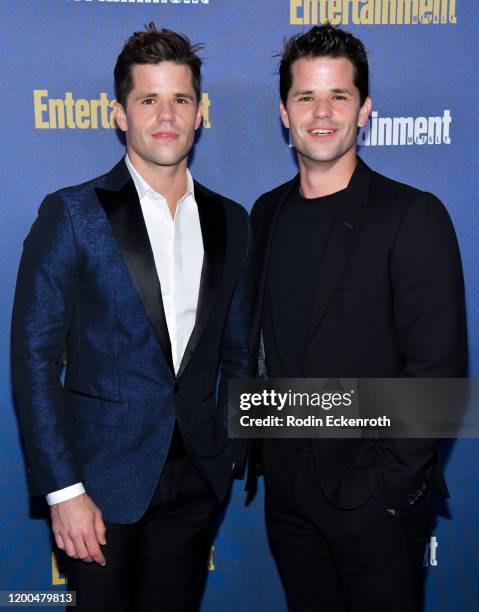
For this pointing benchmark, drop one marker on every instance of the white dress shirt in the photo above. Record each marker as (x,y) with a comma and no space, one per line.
(177,246)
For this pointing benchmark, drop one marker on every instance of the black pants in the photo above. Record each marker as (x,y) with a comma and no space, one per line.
(159,563)
(333,560)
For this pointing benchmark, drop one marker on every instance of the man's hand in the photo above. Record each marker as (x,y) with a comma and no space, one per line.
(79,529)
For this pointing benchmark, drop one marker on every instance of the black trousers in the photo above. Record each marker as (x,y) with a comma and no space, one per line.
(159,563)
(333,560)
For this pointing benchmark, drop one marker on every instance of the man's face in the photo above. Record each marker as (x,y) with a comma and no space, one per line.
(161,115)
(323,110)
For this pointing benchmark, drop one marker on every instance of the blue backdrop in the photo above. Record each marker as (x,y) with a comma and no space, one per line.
(57,59)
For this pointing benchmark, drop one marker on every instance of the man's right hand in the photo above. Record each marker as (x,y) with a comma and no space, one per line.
(79,529)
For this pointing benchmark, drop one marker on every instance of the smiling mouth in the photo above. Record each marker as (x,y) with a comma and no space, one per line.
(322,132)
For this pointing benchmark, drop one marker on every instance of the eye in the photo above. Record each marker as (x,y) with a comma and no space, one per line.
(339,97)
(305,99)
(181,100)
(148,101)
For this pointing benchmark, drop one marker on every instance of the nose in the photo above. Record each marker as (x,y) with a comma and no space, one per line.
(322,109)
(165,112)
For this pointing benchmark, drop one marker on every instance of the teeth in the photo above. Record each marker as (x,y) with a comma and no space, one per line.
(322,131)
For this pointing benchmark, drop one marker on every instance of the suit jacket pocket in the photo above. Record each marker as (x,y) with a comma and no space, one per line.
(97,410)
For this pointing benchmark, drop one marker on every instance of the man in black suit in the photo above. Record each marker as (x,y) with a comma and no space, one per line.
(143,274)
(355,275)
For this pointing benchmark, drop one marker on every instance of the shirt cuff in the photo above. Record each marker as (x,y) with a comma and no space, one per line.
(55,497)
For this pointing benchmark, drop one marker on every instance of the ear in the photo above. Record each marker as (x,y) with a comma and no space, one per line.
(199,115)
(120,117)
(284,114)
(364,112)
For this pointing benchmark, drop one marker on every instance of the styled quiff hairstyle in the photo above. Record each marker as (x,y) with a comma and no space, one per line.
(324,41)
(152,47)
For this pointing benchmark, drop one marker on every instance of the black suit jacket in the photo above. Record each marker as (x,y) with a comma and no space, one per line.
(389,303)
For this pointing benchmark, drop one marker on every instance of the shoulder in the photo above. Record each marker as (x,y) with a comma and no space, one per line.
(417,217)
(232,209)
(61,211)
(266,203)
(76,198)
(85,189)
(402,196)
(404,207)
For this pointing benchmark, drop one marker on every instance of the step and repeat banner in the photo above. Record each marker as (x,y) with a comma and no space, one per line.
(57,59)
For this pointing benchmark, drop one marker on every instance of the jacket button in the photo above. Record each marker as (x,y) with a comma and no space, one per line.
(176,388)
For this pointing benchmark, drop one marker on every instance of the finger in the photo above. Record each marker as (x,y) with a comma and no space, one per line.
(100,529)
(70,547)
(81,549)
(59,541)
(94,549)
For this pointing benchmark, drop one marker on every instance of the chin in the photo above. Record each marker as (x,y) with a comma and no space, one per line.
(320,157)
(166,160)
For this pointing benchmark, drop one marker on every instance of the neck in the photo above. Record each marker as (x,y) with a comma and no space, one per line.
(318,179)
(170,181)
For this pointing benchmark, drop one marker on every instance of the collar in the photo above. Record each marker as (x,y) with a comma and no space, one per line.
(143,188)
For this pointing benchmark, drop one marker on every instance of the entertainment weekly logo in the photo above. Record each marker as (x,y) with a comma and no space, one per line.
(71,112)
(404,131)
(372,12)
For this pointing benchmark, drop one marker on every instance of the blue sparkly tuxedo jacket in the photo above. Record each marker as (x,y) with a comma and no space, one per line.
(87,282)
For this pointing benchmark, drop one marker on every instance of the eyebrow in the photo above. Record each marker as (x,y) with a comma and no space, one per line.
(303,92)
(342,90)
(142,96)
(308,92)
(184,95)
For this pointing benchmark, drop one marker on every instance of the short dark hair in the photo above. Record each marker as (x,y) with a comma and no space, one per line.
(324,41)
(152,47)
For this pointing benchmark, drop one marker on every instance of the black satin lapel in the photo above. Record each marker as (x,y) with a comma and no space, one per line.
(126,219)
(344,230)
(213,231)
(265,245)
